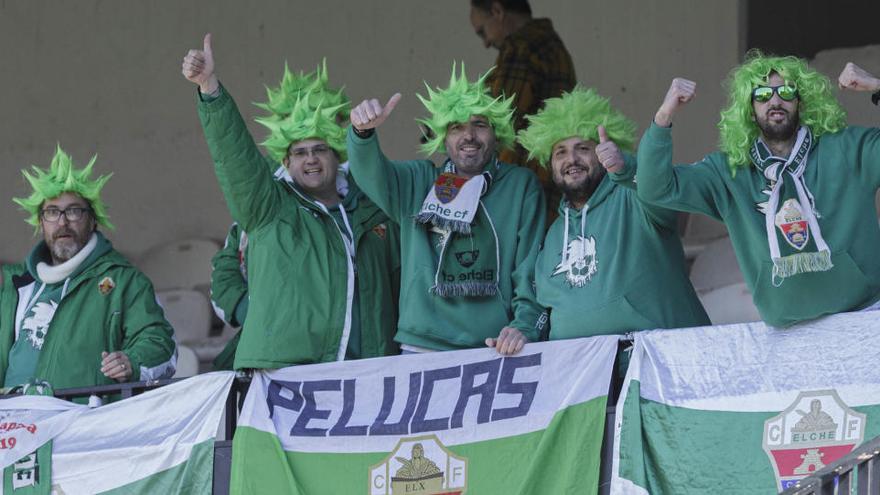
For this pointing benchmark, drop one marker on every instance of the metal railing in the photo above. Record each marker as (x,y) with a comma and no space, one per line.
(837,477)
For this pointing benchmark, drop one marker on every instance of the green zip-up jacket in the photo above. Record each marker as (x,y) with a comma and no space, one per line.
(843,174)
(300,278)
(228,282)
(516,205)
(109,306)
(624,270)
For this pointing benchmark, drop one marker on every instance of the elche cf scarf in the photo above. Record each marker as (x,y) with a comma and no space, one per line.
(469,257)
(793,234)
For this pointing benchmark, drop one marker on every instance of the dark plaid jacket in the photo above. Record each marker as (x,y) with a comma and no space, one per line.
(534,65)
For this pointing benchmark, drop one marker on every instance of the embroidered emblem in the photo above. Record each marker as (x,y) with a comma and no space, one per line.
(793,225)
(380,230)
(467,258)
(106,285)
(37,324)
(447,186)
(815,430)
(581,264)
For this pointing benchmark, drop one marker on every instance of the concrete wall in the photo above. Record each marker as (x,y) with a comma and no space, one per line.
(101,76)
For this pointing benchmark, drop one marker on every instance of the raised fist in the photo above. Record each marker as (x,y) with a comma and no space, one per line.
(369,114)
(681,92)
(855,78)
(198,67)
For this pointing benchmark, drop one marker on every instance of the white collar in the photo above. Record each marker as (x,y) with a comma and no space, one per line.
(53,274)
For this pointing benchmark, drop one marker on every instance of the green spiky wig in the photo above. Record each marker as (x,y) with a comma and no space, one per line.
(281,100)
(818,108)
(62,177)
(304,122)
(578,113)
(458,103)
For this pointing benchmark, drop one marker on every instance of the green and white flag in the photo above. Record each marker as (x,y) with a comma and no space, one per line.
(745,408)
(161,441)
(436,423)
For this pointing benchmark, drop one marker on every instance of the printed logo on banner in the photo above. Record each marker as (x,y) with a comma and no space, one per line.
(815,430)
(419,466)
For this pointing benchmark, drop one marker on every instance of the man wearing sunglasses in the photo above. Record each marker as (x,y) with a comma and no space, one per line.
(793,183)
(76,313)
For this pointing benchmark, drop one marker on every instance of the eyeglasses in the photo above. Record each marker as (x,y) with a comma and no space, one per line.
(71,214)
(763,94)
(303,152)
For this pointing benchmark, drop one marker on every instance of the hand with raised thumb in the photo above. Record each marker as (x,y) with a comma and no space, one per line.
(198,67)
(369,114)
(608,153)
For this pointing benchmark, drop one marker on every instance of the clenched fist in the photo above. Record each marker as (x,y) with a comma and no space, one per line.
(198,67)
(681,92)
(855,78)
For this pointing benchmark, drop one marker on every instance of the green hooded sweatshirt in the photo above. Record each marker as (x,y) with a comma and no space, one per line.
(842,173)
(301,281)
(515,203)
(106,305)
(624,269)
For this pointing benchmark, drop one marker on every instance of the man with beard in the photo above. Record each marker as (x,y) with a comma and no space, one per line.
(322,268)
(598,273)
(794,185)
(76,313)
(470,229)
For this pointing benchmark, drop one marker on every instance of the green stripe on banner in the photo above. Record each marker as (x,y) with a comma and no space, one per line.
(191,477)
(690,451)
(536,462)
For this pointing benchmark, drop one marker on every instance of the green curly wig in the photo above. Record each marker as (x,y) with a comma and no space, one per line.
(577,113)
(305,121)
(281,100)
(62,177)
(818,108)
(458,103)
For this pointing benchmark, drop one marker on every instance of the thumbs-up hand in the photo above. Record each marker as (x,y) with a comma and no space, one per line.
(198,67)
(608,153)
(369,114)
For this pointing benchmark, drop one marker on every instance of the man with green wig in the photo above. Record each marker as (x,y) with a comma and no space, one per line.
(76,313)
(596,273)
(322,268)
(793,183)
(229,289)
(470,229)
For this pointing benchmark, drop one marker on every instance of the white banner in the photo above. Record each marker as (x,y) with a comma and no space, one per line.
(128,441)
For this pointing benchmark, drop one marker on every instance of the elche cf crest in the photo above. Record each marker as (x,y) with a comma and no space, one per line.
(817,429)
(580,264)
(794,226)
(419,466)
(447,186)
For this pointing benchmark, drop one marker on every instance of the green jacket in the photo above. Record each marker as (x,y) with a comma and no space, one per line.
(843,174)
(228,278)
(624,272)
(516,205)
(124,316)
(300,278)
